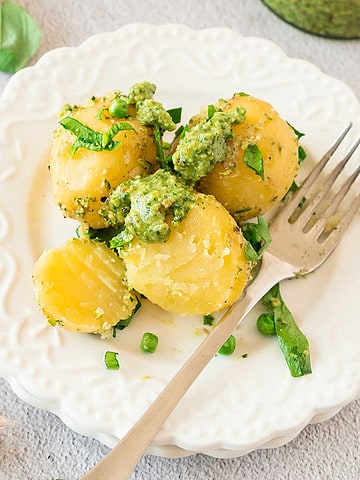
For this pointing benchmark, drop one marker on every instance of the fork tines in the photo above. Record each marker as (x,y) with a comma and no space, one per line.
(315,206)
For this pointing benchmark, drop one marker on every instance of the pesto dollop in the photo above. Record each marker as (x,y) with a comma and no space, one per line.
(151,113)
(141,91)
(204,145)
(142,205)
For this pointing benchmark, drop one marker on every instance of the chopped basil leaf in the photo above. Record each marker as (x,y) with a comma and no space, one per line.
(107,137)
(84,133)
(210,111)
(179,130)
(301,154)
(185,129)
(159,145)
(122,239)
(19,37)
(100,113)
(111,361)
(242,210)
(175,114)
(297,133)
(293,343)
(254,159)
(126,321)
(258,238)
(208,320)
(91,139)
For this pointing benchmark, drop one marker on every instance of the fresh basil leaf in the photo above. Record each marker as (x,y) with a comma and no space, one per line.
(297,133)
(121,239)
(175,114)
(83,144)
(293,343)
(210,111)
(301,154)
(208,319)
(84,133)
(19,37)
(258,238)
(254,159)
(91,139)
(159,145)
(185,129)
(107,138)
(100,113)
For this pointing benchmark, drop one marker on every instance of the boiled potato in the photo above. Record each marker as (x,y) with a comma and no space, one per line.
(237,186)
(81,286)
(199,270)
(82,182)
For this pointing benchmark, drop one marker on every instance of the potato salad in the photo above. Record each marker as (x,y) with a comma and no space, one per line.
(165,221)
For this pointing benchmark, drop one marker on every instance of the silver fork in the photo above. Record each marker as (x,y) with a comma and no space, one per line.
(304,233)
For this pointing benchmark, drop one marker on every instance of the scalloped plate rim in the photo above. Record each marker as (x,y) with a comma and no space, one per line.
(56,407)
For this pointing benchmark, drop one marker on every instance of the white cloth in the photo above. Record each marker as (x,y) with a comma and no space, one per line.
(38,446)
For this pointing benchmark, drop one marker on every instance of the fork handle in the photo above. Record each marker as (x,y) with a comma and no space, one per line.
(120,462)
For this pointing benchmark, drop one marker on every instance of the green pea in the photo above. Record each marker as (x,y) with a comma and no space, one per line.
(119,108)
(149,342)
(266,324)
(228,347)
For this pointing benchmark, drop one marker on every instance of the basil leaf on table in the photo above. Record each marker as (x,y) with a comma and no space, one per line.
(19,37)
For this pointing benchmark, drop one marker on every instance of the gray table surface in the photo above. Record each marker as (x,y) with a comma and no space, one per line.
(38,445)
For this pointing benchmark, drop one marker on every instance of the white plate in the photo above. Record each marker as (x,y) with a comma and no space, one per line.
(238,404)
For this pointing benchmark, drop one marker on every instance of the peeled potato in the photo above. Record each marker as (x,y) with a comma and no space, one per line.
(239,188)
(199,270)
(81,286)
(83,182)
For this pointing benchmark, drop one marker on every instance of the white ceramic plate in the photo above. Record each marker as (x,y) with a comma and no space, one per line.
(238,404)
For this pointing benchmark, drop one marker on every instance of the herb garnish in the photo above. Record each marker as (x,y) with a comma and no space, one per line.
(143,203)
(293,343)
(210,111)
(254,159)
(258,238)
(208,319)
(19,37)
(175,114)
(92,139)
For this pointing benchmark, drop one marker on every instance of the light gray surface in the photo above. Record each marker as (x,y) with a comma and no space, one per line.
(38,445)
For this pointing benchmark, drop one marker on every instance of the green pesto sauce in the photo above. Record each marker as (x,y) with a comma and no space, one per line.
(142,204)
(151,113)
(141,91)
(330,18)
(204,145)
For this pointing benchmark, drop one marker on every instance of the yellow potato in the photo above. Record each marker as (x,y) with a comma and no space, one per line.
(81,286)
(82,183)
(239,188)
(199,270)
